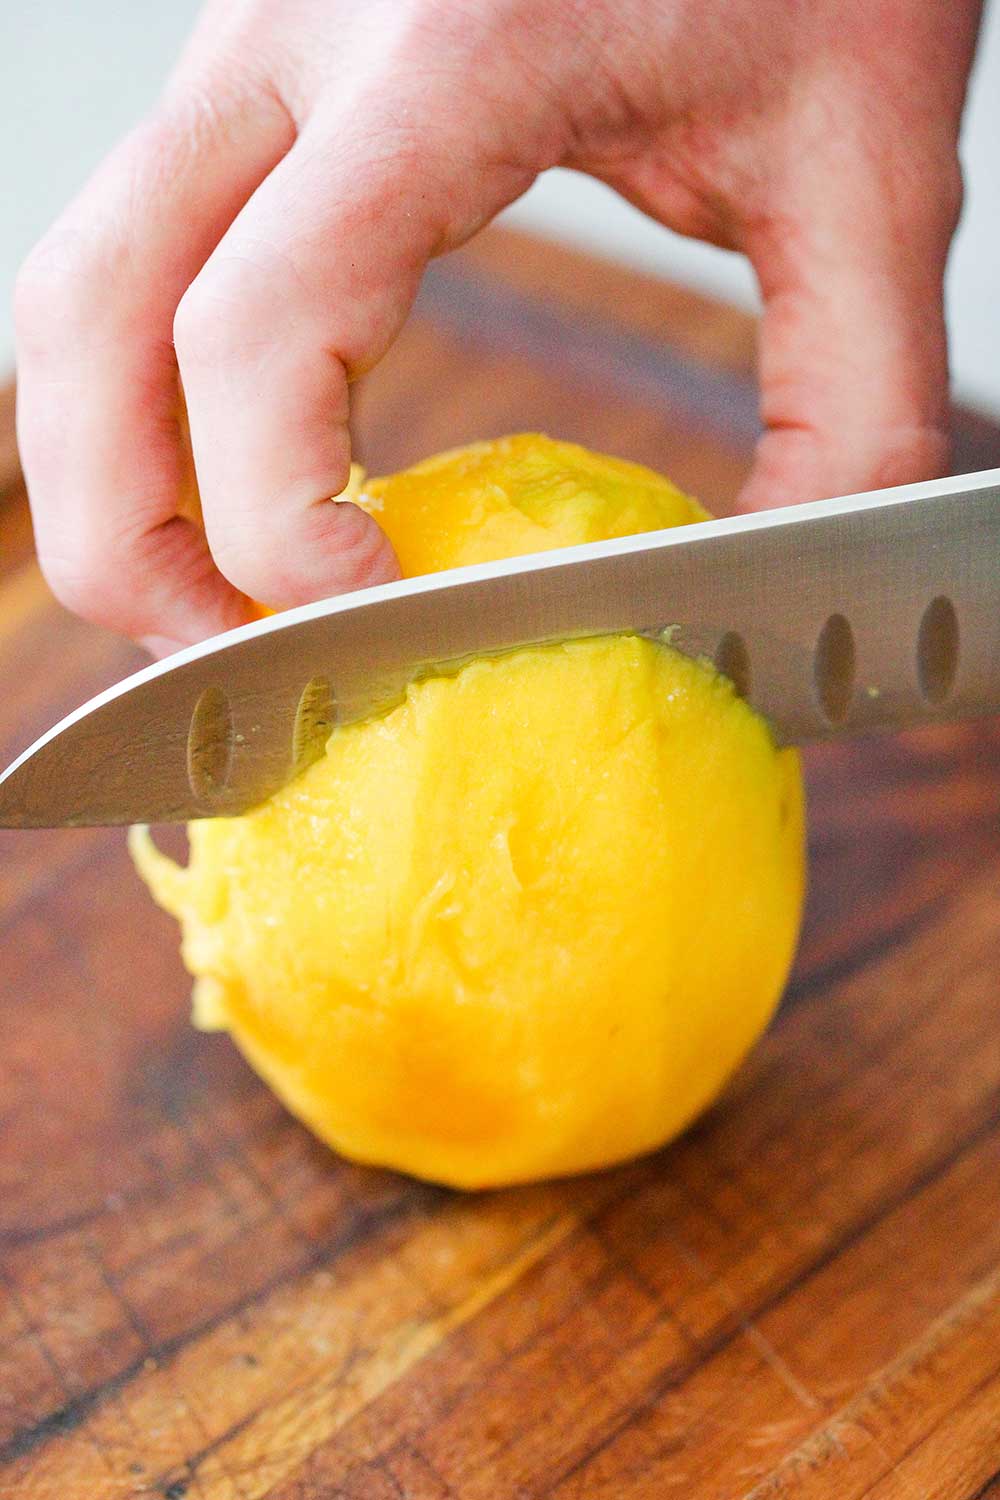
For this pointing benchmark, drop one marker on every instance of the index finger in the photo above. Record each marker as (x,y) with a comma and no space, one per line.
(98,405)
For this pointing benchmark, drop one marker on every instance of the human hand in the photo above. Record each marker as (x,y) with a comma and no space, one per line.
(265,229)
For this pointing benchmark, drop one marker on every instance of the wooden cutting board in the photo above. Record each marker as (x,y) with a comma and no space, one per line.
(800,1298)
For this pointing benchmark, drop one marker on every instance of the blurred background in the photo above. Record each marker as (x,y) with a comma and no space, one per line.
(76,73)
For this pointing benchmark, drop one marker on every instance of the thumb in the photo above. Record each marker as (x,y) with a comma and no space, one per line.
(853,361)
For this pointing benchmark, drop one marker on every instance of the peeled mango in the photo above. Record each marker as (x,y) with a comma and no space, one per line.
(530,921)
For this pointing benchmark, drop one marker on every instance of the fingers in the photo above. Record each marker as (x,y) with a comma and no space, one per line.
(852,354)
(307,289)
(98,399)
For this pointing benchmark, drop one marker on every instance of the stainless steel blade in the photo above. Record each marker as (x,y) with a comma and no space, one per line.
(866,612)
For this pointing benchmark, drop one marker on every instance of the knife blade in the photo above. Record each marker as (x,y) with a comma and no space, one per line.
(842,616)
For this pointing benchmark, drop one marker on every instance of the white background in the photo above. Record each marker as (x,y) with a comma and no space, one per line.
(75,73)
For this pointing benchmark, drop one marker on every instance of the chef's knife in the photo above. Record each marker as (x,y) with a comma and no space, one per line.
(868,612)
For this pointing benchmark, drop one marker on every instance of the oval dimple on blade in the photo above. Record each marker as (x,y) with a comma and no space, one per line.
(211,740)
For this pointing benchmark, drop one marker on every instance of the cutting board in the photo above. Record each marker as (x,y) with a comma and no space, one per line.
(799,1298)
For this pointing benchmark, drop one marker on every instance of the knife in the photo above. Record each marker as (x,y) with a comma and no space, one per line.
(838,617)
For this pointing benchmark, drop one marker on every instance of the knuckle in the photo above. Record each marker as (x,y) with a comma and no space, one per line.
(191,323)
(83,581)
(101,571)
(221,317)
(929,189)
(912,453)
(328,548)
(252,569)
(350,536)
(209,98)
(54,288)
(187,324)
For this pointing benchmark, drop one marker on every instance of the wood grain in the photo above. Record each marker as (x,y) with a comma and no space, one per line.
(801,1298)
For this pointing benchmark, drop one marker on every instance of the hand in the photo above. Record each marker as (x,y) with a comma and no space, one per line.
(265,230)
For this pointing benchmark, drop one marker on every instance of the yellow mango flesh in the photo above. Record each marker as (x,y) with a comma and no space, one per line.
(515,495)
(530,921)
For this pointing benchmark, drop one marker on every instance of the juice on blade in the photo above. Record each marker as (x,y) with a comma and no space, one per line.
(530,921)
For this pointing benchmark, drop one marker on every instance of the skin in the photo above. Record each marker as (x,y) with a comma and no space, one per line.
(260,237)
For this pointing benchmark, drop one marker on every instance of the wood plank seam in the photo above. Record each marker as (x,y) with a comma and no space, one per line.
(817,984)
(987,1490)
(42,1346)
